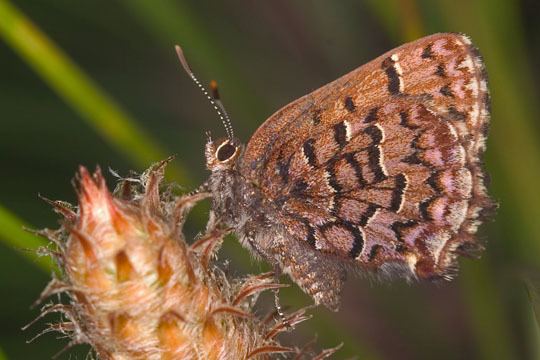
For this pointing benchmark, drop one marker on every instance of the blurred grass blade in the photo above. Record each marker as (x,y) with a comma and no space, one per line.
(23,242)
(532,286)
(409,25)
(79,91)
(387,13)
(412,26)
(486,312)
(3,355)
(535,331)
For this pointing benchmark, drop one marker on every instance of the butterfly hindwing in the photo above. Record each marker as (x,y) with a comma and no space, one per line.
(382,165)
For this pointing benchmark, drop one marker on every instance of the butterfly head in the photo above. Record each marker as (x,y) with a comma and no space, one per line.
(222,154)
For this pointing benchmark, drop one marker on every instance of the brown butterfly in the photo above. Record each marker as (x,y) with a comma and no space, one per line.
(379,171)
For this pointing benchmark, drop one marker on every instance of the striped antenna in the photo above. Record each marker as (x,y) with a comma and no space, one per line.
(214,101)
(217,99)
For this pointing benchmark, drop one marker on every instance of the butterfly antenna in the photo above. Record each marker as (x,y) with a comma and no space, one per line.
(214,101)
(217,99)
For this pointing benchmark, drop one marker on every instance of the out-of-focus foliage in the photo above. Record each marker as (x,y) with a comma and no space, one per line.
(57,58)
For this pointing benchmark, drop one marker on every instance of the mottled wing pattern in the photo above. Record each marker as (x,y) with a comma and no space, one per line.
(382,166)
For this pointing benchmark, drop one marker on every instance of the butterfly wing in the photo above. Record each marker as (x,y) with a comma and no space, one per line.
(382,166)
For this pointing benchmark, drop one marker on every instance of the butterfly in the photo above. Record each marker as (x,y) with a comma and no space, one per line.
(377,172)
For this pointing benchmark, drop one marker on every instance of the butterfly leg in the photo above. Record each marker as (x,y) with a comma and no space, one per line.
(204,188)
(277,303)
(260,248)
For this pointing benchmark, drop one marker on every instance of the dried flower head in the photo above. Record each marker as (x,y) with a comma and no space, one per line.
(137,290)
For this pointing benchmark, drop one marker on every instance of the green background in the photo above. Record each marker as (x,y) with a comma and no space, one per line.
(98,83)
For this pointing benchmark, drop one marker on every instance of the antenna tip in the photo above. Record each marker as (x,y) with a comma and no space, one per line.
(183,60)
(214,89)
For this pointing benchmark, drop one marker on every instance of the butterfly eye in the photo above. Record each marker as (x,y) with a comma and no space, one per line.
(225,151)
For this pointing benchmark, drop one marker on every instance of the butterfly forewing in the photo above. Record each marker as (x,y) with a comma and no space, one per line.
(382,165)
